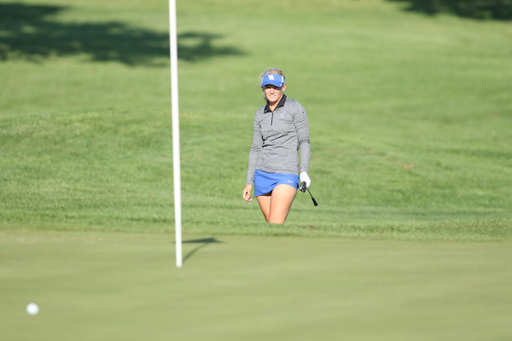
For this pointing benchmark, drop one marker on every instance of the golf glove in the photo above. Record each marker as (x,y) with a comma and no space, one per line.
(305,178)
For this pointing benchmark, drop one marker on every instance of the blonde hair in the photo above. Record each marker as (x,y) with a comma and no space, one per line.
(272,71)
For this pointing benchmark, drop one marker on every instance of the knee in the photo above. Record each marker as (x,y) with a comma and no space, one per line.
(275,220)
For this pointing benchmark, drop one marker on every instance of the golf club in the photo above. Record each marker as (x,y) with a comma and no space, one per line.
(303,189)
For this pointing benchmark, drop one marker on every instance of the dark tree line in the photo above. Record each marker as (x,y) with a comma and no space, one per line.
(28,32)
(480,9)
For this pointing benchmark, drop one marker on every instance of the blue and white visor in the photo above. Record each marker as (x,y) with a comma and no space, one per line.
(276,80)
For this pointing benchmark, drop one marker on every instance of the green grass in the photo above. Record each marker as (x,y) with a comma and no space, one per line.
(124,286)
(410,120)
(409,117)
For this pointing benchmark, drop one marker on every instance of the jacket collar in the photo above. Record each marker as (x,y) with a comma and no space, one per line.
(279,105)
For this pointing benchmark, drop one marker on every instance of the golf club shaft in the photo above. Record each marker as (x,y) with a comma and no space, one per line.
(314,201)
(303,190)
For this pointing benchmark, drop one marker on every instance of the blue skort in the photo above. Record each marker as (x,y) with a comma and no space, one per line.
(265,182)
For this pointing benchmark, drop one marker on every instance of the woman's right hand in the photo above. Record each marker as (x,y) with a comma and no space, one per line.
(247,193)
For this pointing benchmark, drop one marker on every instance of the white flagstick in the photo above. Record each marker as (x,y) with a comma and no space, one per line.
(173,37)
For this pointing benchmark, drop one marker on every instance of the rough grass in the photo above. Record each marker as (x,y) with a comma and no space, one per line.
(409,131)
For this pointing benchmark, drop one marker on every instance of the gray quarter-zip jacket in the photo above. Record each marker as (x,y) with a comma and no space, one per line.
(278,137)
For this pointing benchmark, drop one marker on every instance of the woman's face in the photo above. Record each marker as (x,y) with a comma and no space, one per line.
(273,93)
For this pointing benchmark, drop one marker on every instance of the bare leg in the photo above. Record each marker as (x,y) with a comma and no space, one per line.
(276,205)
(264,201)
(281,202)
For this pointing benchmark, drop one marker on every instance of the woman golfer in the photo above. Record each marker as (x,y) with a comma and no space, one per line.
(280,130)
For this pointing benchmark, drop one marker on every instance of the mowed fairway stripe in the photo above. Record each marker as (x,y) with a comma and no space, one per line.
(124,286)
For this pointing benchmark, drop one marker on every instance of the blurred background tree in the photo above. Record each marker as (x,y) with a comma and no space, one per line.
(479,9)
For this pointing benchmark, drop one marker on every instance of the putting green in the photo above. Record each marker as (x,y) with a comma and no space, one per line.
(124,286)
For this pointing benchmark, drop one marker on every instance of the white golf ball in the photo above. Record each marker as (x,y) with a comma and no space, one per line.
(32,309)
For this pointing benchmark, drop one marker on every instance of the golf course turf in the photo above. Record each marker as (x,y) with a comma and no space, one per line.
(124,286)
(411,164)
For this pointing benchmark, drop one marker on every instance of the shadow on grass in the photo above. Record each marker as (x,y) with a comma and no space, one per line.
(477,9)
(29,32)
(202,243)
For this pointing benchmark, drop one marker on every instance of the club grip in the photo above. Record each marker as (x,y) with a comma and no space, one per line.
(314,201)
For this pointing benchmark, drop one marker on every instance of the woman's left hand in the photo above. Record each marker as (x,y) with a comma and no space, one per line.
(304,177)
